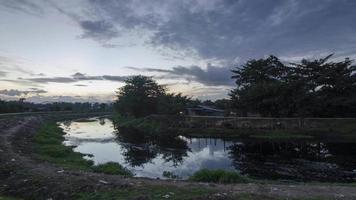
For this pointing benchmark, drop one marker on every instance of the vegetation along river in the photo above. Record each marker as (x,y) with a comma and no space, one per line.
(298,160)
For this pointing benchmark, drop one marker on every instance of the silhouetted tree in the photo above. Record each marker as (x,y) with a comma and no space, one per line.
(312,88)
(139,96)
(172,104)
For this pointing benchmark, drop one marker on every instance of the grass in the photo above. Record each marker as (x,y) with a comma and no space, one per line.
(48,146)
(281,135)
(112,168)
(218,176)
(8,198)
(149,192)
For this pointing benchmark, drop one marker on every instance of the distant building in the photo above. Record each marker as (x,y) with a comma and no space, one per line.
(202,110)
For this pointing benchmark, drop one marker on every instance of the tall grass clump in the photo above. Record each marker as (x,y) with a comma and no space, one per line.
(112,168)
(218,176)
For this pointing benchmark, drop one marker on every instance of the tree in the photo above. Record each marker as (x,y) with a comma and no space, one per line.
(172,104)
(139,97)
(317,88)
(261,87)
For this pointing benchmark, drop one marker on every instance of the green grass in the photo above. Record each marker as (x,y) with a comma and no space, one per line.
(281,135)
(112,168)
(48,145)
(218,176)
(8,198)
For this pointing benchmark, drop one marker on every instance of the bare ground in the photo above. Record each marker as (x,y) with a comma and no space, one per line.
(21,175)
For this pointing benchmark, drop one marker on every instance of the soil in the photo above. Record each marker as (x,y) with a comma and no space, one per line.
(22,175)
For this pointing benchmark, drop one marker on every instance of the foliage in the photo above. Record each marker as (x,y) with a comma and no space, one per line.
(142,96)
(170,175)
(318,88)
(172,104)
(139,96)
(112,168)
(48,146)
(218,176)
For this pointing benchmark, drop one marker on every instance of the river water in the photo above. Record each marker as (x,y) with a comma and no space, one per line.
(298,160)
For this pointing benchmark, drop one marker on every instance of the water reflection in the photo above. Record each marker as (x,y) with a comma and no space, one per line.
(149,156)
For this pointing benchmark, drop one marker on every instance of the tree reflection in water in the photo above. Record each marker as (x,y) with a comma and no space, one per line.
(298,160)
(141,148)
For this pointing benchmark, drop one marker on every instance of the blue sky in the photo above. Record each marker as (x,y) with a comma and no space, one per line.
(79,50)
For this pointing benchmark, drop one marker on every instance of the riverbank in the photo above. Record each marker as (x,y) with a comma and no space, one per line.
(260,128)
(24,176)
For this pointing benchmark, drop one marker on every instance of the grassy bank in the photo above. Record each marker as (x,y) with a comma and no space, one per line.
(146,125)
(218,176)
(48,146)
(8,198)
(151,126)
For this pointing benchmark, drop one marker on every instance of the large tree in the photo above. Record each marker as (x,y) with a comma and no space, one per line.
(139,96)
(142,96)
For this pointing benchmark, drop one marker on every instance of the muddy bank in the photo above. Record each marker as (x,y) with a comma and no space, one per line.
(23,176)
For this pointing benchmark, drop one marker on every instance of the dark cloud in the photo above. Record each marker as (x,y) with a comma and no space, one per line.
(13,92)
(212,75)
(115,78)
(98,30)
(76,78)
(225,29)
(81,85)
(51,80)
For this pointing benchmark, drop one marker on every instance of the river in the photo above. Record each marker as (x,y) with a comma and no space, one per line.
(297,160)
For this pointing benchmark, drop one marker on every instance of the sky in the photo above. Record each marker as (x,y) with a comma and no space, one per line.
(83,50)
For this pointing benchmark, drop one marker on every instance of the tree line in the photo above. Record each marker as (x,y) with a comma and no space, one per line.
(266,87)
(23,106)
(311,88)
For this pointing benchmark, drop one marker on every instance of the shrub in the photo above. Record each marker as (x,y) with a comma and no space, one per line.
(218,176)
(112,168)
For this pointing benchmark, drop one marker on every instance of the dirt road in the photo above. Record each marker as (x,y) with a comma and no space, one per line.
(21,175)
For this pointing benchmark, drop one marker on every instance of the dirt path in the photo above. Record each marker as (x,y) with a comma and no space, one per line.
(22,175)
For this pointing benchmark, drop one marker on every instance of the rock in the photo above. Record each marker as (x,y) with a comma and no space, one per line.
(103,182)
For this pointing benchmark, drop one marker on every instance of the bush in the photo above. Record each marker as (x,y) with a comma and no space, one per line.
(218,176)
(112,168)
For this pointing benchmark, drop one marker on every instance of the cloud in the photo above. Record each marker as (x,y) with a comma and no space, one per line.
(75,78)
(14,65)
(51,80)
(226,29)
(211,76)
(98,30)
(13,92)
(64,98)
(25,6)
(3,74)
(81,85)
